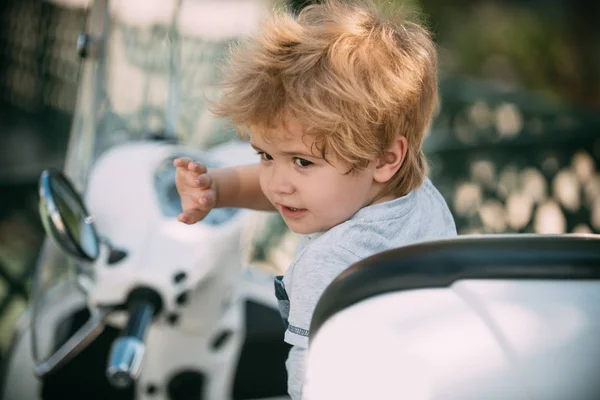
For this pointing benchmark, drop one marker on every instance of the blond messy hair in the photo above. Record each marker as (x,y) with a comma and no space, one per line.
(353,78)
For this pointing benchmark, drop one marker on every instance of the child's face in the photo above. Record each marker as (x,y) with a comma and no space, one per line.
(311,194)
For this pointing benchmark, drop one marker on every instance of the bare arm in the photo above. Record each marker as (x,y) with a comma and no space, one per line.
(201,190)
(239,187)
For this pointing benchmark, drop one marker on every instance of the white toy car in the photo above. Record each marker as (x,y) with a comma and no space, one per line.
(477,317)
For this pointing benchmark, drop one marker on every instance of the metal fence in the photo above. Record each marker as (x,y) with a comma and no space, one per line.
(513,162)
(38,82)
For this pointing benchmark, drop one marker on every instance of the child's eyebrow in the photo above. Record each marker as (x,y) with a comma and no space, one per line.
(299,153)
(287,153)
(257,148)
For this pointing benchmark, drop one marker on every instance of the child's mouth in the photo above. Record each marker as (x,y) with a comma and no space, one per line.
(292,212)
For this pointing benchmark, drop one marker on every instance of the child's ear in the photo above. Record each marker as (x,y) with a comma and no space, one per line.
(390,162)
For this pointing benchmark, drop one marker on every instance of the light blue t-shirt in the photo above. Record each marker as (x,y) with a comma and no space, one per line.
(419,216)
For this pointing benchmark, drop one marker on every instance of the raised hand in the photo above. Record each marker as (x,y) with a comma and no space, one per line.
(196,189)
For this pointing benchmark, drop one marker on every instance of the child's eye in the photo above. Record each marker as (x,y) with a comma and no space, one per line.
(302,163)
(264,156)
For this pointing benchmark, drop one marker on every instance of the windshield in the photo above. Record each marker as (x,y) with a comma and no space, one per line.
(149,69)
(153,73)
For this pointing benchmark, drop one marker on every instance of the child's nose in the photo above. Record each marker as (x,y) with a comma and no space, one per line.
(280,182)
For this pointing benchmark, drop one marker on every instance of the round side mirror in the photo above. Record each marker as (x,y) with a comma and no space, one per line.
(65,217)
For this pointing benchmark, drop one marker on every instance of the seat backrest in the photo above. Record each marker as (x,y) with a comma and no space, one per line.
(440,263)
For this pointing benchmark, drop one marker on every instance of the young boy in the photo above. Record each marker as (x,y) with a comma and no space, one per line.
(336,103)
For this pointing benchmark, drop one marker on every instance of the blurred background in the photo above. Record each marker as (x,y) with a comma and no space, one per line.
(515,146)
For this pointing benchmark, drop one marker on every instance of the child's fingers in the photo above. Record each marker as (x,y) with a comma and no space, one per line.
(207,201)
(181,162)
(186,218)
(191,217)
(197,167)
(183,218)
(189,165)
(203,181)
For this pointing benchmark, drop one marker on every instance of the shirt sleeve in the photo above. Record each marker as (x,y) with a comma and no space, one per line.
(310,275)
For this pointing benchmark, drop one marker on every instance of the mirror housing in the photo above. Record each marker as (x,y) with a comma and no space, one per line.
(65,217)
